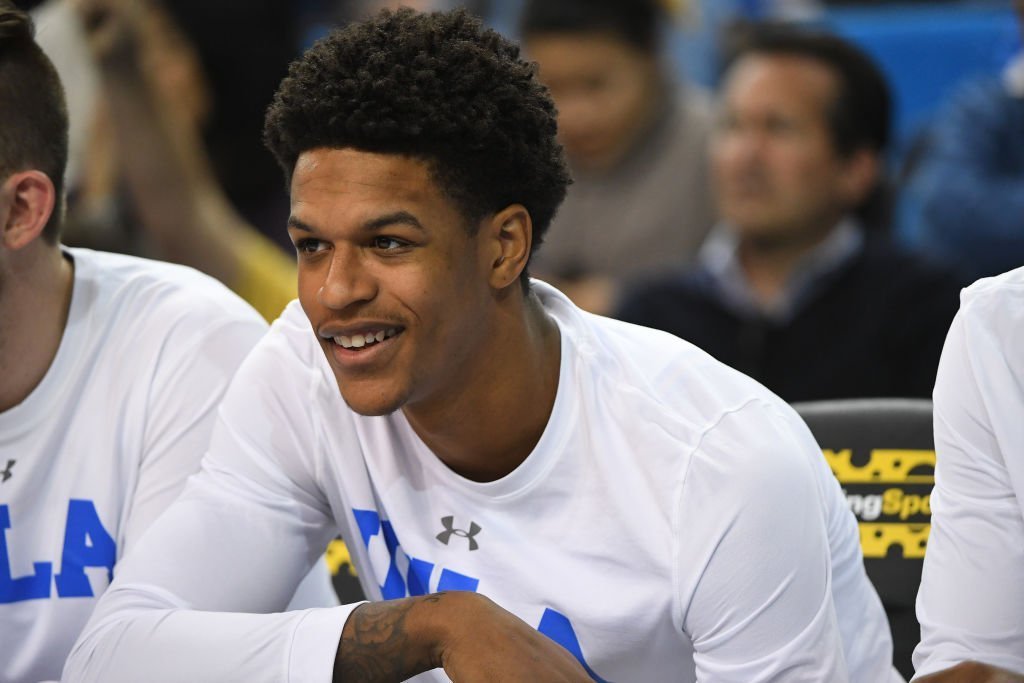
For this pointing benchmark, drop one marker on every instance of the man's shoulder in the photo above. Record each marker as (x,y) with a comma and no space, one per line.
(288,354)
(155,293)
(889,265)
(666,376)
(995,306)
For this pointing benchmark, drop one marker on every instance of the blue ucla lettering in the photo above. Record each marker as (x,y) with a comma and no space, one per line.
(419,576)
(417,579)
(86,544)
(558,628)
(31,587)
(554,625)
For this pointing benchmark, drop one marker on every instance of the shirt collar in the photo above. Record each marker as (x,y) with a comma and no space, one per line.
(719,263)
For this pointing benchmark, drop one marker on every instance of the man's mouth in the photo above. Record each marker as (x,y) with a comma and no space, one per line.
(359,341)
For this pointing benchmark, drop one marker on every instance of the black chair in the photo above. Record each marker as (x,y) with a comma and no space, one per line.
(882,451)
(343,573)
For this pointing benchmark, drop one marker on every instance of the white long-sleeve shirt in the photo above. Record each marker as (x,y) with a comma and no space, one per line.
(105,442)
(676,521)
(971,601)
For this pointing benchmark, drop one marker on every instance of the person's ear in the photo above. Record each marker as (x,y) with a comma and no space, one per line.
(510,236)
(27,200)
(860,175)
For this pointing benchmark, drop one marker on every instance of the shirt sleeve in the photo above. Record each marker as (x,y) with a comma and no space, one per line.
(756,586)
(192,374)
(971,600)
(196,598)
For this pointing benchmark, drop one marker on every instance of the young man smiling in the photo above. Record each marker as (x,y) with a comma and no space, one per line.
(630,508)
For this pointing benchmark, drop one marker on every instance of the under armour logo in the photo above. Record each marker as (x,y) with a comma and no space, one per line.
(7,474)
(449,526)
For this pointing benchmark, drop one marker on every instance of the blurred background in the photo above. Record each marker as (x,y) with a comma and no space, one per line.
(220,61)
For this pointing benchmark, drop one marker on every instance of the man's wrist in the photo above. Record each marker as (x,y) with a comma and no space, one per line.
(396,639)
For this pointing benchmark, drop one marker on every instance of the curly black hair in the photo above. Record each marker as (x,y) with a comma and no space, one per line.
(437,87)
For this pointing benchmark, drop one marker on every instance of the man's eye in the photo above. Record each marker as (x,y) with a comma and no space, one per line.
(781,126)
(309,246)
(387,243)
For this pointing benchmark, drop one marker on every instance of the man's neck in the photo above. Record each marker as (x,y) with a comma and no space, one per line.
(769,264)
(496,420)
(34,302)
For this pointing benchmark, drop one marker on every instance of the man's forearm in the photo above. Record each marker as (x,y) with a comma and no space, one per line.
(390,640)
(972,672)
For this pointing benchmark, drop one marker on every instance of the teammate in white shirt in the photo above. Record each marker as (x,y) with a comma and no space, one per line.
(110,371)
(631,509)
(971,602)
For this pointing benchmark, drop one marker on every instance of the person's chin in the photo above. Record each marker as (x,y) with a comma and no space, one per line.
(369,401)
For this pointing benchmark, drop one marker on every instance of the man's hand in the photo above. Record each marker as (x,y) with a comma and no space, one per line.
(973,672)
(468,635)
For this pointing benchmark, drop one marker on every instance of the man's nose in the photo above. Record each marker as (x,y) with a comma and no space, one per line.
(348,280)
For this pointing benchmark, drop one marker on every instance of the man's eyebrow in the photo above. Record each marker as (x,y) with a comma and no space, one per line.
(398,217)
(295,223)
(372,225)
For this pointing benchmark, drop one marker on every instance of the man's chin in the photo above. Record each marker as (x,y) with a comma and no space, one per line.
(372,410)
(369,403)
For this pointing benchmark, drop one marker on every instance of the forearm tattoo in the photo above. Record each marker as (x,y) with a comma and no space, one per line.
(376,646)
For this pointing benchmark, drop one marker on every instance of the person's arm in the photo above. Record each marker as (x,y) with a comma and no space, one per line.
(198,357)
(196,598)
(972,672)
(239,539)
(971,599)
(753,556)
(464,633)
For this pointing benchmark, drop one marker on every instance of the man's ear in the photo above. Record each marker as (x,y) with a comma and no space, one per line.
(860,175)
(509,238)
(27,200)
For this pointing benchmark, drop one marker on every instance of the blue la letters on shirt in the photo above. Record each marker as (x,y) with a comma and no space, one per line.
(86,544)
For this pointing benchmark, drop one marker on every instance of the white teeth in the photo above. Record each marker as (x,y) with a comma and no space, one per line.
(358,341)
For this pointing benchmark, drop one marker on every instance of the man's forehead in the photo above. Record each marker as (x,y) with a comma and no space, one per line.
(790,68)
(360,187)
(351,170)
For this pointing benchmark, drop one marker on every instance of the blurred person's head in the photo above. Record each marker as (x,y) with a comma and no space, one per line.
(33,135)
(601,61)
(803,126)
(173,67)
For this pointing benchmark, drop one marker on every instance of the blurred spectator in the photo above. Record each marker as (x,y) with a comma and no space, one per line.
(790,288)
(243,48)
(964,201)
(152,86)
(636,143)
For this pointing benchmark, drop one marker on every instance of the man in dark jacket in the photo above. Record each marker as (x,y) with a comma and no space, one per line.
(795,286)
